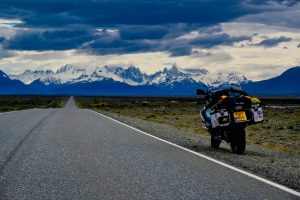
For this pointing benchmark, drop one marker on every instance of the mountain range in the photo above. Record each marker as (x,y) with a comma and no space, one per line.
(69,74)
(108,80)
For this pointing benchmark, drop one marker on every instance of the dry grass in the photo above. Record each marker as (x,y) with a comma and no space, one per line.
(11,103)
(280,130)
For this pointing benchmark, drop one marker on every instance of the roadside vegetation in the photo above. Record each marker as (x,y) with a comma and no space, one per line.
(280,130)
(12,103)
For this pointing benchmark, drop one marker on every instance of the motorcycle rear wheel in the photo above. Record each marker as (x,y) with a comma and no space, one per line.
(215,141)
(238,141)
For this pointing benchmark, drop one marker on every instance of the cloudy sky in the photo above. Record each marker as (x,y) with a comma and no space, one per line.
(257,38)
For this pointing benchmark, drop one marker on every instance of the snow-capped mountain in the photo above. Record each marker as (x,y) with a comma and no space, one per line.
(69,74)
(173,81)
(177,75)
(28,76)
(63,75)
(232,78)
(169,77)
(130,76)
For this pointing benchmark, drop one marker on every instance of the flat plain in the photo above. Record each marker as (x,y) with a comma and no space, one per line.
(13,103)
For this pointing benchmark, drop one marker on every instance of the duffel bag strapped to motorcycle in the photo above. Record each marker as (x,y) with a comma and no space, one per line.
(254,100)
(256,110)
(257,113)
(220,118)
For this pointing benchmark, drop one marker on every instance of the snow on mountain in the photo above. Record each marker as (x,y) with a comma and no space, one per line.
(134,74)
(175,75)
(131,76)
(63,75)
(3,75)
(232,78)
(29,76)
(169,77)
(199,75)
(68,74)
(170,81)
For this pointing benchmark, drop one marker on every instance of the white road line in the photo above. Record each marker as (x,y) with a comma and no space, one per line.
(291,191)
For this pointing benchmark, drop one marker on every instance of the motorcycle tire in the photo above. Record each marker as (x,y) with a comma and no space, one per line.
(238,141)
(215,141)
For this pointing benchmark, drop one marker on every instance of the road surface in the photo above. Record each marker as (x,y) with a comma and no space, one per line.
(75,153)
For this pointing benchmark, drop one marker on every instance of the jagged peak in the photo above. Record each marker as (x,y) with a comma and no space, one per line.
(132,75)
(64,68)
(113,68)
(38,71)
(27,71)
(134,69)
(68,67)
(173,70)
(95,74)
(197,70)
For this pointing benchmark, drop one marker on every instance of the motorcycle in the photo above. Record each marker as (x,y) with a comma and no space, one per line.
(227,112)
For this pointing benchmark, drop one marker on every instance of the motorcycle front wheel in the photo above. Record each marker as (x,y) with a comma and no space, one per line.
(238,141)
(215,140)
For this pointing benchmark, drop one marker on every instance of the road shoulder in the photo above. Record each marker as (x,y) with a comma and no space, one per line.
(276,166)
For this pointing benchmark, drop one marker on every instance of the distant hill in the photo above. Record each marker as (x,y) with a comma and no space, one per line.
(8,86)
(288,83)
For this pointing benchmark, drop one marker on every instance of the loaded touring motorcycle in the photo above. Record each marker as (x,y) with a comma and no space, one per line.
(227,112)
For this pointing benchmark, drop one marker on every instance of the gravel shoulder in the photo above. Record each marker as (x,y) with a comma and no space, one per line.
(276,166)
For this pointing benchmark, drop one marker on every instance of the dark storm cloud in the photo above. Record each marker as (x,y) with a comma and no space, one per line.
(273,41)
(180,50)
(113,43)
(59,13)
(48,40)
(110,41)
(117,46)
(141,25)
(283,13)
(209,41)
(143,32)
(185,46)
(2,39)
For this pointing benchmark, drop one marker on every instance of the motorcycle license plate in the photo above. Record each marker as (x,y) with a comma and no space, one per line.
(240,116)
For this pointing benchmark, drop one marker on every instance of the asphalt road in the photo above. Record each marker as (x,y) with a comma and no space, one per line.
(74,153)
